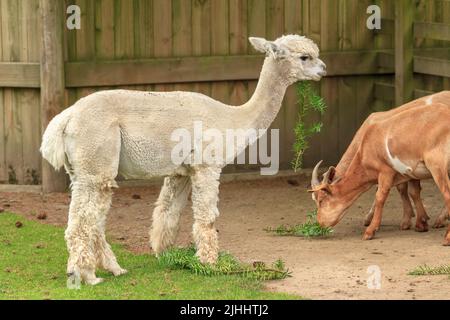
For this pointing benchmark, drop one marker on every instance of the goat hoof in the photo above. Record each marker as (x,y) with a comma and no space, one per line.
(421,228)
(368,235)
(405,225)
(447,239)
(438,225)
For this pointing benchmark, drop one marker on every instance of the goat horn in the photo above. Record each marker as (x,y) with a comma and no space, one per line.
(315,175)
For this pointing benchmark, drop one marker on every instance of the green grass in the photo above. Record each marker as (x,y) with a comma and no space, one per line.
(427,270)
(308,229)
(33,261)
(185,258)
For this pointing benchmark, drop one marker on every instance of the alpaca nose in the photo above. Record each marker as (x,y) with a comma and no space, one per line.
(324,68)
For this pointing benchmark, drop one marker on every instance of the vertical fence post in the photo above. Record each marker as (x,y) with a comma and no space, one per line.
(52,80)
(404,46)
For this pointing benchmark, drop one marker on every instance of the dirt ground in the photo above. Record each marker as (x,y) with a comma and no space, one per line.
(329,268)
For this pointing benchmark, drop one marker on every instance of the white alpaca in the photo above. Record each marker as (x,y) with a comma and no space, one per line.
(129,133)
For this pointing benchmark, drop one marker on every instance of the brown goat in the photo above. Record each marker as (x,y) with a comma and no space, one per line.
(390,154)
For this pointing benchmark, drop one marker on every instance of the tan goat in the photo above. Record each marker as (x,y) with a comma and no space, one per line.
(411,144)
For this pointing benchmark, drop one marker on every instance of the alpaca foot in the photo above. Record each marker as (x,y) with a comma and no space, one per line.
(94,281)
(159,244)
(119,272)
(406,225)
(422,226)
(208,259)
(208,255)
(88,275)
(113,267)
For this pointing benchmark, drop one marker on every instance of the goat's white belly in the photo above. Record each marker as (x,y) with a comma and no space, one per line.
(420,171)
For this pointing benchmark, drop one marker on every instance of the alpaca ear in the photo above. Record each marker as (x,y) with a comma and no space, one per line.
(258,43)
(267,47)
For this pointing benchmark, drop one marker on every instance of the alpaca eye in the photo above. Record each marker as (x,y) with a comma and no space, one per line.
(304,58)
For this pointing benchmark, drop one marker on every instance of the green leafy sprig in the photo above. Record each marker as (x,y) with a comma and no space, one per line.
(311,228)
(308,100)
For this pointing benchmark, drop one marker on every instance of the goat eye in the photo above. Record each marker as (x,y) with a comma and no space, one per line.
(304,58)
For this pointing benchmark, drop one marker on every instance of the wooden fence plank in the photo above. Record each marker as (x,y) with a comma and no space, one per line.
(430,30)
(404,40)
(182,35)
(220,44)
(292,24)
(13,137)
(124,29)
(201,36)
(432,66)
(3,166)
(85,36)
(19,74)
(104,29)
(256,21)
(28,100)
(162,36)
(52,80)
(238,45)
(384,91)
(143,29)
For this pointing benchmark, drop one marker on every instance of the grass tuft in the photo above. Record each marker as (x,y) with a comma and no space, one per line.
(185,258)
(309,229)
(427,270)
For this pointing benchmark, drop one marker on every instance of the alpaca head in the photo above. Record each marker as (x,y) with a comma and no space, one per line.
(296,57)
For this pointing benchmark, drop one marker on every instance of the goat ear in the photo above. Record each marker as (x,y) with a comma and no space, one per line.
(268,47)
(329,175)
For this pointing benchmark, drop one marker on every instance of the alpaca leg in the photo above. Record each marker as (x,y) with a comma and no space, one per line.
(81,226)
(205,195)
(85,235)
(408,211)
(422,217)
(166,215)
(105,256)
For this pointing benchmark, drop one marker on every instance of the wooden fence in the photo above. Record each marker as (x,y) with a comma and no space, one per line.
(201,45)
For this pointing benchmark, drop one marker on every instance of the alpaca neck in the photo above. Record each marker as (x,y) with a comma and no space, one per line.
(262,108)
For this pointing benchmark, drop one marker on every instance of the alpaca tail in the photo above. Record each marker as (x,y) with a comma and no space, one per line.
(52,147)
